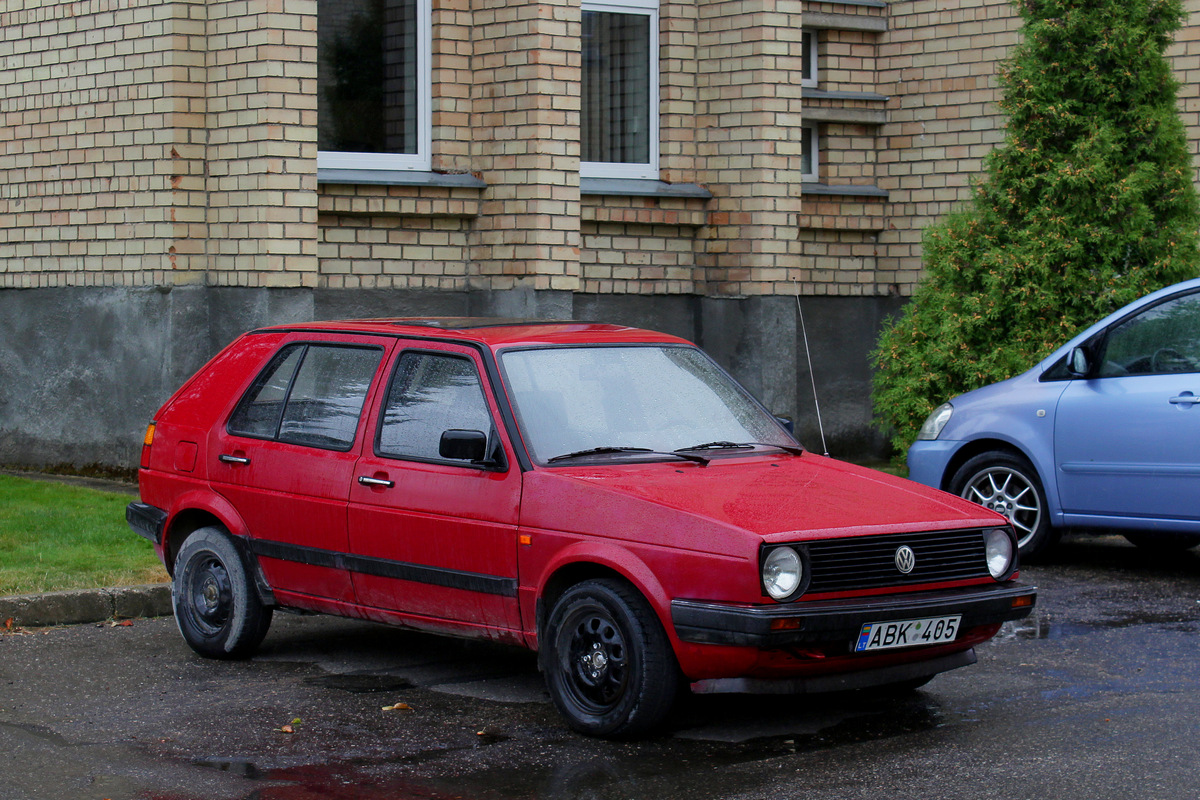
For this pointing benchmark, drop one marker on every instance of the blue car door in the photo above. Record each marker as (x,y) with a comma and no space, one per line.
(1127,439)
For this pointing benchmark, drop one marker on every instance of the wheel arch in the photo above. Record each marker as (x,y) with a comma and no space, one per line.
(572,569)
(195,513)
(1045,472)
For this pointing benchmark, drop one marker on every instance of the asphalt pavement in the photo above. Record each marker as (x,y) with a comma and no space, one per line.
(1092,697)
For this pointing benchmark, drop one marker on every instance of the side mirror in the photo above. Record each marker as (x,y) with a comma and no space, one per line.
(463,445)
(1077,363)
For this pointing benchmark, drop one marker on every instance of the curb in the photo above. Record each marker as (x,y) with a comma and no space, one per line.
(86,605)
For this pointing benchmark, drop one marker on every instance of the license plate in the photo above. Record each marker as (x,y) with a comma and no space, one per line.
(906,633)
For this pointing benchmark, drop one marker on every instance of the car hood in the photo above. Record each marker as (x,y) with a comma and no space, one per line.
(782,498)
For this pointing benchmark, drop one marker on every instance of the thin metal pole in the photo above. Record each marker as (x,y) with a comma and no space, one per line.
(811,376)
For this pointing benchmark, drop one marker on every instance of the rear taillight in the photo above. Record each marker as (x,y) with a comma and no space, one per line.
(146,442)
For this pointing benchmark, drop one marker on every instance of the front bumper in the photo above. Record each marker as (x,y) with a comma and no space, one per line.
(927,460)
(799,623)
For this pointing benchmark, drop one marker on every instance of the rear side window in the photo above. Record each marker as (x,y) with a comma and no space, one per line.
(429,395)
(310,394)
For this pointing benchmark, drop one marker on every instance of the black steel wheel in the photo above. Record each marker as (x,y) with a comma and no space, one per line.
(1008,483)
(217,607)
(608,664)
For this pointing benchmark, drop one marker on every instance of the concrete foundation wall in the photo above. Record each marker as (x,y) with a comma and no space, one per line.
(82,370)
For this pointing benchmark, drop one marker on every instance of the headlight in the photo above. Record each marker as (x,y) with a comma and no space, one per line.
(999,551)
(934,423)
(782,572)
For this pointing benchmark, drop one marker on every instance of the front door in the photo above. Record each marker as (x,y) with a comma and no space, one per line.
(435,539)
(1127,442)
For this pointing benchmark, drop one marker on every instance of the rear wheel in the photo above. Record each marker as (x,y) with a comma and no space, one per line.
(608,664)
(217,608)
(1008,483)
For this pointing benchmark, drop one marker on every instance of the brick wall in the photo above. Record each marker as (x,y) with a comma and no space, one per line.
(169,142)
(261,152)
(101,181)
(938,63)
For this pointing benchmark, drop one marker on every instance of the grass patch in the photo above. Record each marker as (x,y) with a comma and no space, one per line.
(55,536)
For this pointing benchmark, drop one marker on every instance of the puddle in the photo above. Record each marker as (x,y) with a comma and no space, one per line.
(1044,625)
(691,761)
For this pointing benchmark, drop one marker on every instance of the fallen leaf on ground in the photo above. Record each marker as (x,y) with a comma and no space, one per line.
(290,727)
(398,707)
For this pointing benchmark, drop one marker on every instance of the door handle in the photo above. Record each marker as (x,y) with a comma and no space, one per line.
(381,482)
(1185,399)
(228,459)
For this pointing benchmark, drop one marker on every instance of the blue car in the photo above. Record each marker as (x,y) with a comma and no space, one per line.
(1103,434)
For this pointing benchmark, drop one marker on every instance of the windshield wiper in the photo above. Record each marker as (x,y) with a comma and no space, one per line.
(595,451)
(725,445)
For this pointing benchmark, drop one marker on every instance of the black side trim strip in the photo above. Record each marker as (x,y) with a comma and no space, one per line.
(386,568)
(453,579)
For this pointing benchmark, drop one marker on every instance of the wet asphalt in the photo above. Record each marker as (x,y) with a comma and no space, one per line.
(1095,696)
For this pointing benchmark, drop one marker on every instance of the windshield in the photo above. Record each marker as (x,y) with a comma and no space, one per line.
(657,398)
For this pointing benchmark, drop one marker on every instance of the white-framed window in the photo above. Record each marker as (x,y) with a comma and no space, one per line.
(619,102)
(808,59)
(373,84)
(810,150)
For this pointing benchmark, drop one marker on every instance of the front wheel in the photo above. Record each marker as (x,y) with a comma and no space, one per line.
(1009,484)
(217,608)
(608,664)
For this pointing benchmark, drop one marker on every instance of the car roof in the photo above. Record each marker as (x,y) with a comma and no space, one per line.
(493,332)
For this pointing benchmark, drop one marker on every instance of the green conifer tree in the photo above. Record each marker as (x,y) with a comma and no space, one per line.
(1087,205)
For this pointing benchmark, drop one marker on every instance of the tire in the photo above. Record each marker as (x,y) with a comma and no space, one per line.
(217,607)
(608,664)
(1163,543)
(1008,483)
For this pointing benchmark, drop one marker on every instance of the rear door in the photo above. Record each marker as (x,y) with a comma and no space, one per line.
(1127,442)
(435,539)
(285,458)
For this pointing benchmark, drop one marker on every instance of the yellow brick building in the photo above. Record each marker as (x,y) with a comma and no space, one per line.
(175,171)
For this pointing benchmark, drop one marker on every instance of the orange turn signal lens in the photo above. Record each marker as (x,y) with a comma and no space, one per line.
(1024,601)
(149,440)
(785,624)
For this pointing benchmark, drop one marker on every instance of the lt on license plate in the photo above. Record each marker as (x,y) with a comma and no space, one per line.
(906,633)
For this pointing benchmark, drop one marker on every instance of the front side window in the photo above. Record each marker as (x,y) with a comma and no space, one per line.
(1160,340)
(430,394)
(657,398)
(309,395)
(619,103)
(373,84)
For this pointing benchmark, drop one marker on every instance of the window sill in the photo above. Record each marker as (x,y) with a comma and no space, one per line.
(813,93)
(843,191)
(629,187)
(392,177)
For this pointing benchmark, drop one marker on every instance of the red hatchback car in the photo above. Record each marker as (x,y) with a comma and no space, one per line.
(604,495)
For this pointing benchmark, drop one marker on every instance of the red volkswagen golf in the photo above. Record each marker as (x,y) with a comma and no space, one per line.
(604,495)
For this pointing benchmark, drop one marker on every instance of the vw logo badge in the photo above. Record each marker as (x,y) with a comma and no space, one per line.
(906,559)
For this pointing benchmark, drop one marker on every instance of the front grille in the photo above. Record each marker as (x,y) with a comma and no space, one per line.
(869,562)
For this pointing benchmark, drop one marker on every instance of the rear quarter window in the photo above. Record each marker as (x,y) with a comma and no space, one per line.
(309,394)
